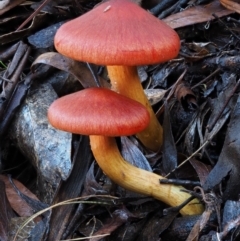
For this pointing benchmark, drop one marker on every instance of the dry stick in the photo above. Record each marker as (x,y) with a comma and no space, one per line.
(32,15)
(206,79)
(168,210)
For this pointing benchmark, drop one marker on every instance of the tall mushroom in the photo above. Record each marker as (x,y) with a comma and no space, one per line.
(121,35)
(103,114)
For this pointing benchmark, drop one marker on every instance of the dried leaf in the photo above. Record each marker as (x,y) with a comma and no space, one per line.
(155,95)
(133,155)
(161,74)
(7,53)
(181,227)
(197,14)
(231,5)
(77,69)
(230,212)
(190,135)
(230,220)
(185,95)
(91,186)
(221,107)
(169,149)
(228,162)
(202,49)
(197,51)
(142,73)
(202,170)
(17,203)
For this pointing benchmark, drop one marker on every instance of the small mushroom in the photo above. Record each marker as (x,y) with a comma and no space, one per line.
(103,114)
(98,111)
(121,35)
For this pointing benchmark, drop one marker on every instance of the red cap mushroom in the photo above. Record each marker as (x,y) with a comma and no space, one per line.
(98,111)
(101,113)
(121,35)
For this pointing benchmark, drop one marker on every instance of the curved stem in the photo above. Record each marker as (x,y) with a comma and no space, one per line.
(125,80)
(108,157)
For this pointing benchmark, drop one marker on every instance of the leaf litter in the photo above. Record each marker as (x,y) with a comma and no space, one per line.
(200,121)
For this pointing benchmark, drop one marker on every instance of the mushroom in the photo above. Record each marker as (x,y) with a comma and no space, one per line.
(121,35)
(103,114)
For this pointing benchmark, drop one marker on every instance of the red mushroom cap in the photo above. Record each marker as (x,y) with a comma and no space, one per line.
(117,32)
(98,111)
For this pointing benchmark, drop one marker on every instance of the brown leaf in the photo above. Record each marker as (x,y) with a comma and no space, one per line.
(201,169)
(185,95)
(231,5)
(77,69)
(16,202)
(197,14)
(182,91)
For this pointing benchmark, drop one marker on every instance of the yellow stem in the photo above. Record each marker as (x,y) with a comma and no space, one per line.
(108,157)
(125,80)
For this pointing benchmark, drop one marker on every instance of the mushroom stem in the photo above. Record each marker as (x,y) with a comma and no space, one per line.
(109,159)
(125,80)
